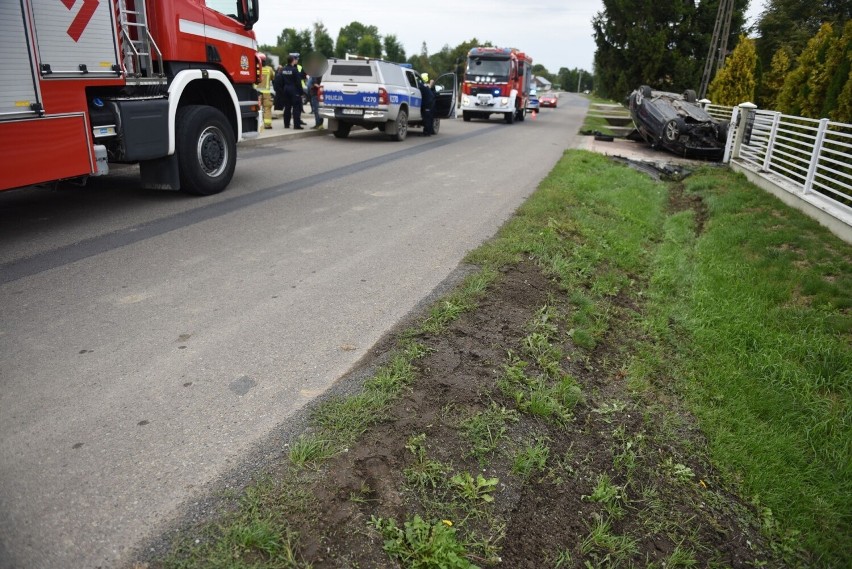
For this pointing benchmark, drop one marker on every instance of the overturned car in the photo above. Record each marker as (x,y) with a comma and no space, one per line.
(677,123)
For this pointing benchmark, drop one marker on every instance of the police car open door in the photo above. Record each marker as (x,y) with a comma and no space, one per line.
(446,89)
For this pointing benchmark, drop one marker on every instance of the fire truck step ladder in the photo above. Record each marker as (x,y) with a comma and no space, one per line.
(138,47)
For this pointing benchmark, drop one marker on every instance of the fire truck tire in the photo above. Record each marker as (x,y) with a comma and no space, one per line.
(206,149)
(509,117)
(465,116)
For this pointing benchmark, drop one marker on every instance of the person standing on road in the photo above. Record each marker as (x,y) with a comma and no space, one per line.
(427,108)
(265,89)
(278,87)
(313,95)
(292,84)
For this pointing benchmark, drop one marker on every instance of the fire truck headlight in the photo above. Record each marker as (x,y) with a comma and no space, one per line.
(504,101)
(465,101)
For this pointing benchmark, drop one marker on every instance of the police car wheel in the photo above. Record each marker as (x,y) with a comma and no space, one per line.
(401,126)
(436,126)
(206,149)
(343,129)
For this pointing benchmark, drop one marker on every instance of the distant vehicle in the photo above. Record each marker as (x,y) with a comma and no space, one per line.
(532,102)
(677,123)
(496,81)
(375,94)
(549,100)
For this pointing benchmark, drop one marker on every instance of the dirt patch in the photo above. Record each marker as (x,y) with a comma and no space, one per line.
(667,502)
(680,200)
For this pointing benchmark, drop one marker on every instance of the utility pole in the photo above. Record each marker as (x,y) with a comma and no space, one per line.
(580,78)
(718,44)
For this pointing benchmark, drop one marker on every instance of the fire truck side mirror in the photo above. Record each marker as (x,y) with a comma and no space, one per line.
(248,13)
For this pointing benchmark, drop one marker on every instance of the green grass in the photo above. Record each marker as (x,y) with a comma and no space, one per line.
(748,320)
(423,545)
(760,306)
(593,123)
(486,430)
(753,316)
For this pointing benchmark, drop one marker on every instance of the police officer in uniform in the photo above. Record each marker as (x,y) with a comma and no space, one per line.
(427,108)
(291,80)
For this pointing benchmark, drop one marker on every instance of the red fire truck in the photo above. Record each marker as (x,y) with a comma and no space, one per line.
(496,80)
(167,84)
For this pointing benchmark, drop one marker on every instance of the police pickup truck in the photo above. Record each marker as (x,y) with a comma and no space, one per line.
(372,94)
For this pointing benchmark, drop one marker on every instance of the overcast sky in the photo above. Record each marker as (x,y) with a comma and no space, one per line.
(556,33)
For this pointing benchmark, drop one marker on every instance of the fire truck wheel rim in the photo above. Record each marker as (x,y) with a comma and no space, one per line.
(212,151)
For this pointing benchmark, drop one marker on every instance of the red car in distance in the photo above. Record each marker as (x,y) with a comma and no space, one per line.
(548,100)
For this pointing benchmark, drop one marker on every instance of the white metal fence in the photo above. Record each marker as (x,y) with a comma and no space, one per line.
(809,158)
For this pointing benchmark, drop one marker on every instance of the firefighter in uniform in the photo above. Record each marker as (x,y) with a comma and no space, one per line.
(264,87)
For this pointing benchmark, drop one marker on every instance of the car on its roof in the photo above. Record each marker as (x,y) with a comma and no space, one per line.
(677,123)
(533,103)
(549,100)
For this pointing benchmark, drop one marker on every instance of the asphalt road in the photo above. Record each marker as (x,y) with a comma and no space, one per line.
(149,340)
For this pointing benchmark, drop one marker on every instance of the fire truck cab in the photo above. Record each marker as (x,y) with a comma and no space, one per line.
(496,80)
(167,84)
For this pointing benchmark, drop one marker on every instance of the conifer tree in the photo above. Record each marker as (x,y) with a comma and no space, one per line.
(735,82)
(837,68)
(794,96)
(843,112)
(773,80)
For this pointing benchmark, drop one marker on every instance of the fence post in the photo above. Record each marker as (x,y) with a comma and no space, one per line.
(770,146)
(745,109)
(732,128)
(820,137)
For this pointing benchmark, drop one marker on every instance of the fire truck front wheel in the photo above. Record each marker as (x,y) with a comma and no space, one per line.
(206,149)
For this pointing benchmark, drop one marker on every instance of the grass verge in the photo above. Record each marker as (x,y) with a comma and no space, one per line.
(740,308)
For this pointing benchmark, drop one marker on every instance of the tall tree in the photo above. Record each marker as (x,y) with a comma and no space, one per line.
(349,37)
(662,43)
(773,81)
(420,62)
(393,49)
(735,82)
(441,62)
(369,46)
(793,23)
(797,97)
(571,79)
(843,112)
(322,40)
(292,41)
(830,80)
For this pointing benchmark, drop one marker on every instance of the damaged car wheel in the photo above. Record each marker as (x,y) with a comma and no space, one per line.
(672,130)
